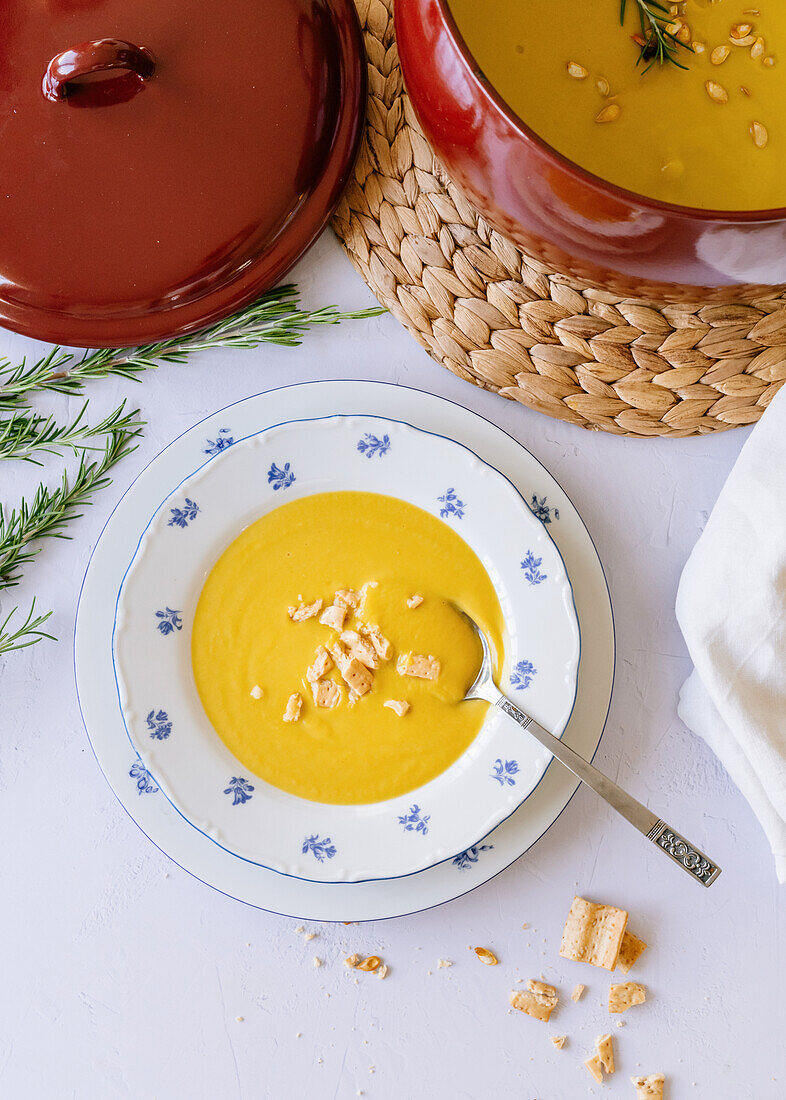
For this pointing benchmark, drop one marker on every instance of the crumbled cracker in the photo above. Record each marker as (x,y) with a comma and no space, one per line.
(348,596)
(577,992)
(384,649)
(442,963)
(419,665)
(327,693)
(304,611)
(383,972)
(334,616)
(624,996)
(649,1088)
(486,956)
(593,933)
(558,1041)
(317,961)
(293,707)
(310,936)
(630,950)
(593,1064)
(604,1046)
(352,961)
(360,649)
(538,1000)
(398,706)
(414,601)
(256,692)
(620,1023)
(239,1019)
(323,663)
(354,673)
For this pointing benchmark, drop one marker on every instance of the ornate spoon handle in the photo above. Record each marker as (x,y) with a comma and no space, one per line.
(691,859)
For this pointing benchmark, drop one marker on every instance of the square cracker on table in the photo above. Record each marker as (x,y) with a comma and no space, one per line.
(630,950)
(593,933)
(649,1088)
(538,999)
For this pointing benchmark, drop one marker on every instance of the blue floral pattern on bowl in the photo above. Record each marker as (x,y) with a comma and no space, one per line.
(371,445)
(522,675)
(451,505)
(220,443)
(145,784)
(319,849)
(531,566)
(541,510)
(240,789)
(181,517)
(159,724)
(280,478)
(323,455)
(169,620)
(504,770)
(415,821)
(464,860)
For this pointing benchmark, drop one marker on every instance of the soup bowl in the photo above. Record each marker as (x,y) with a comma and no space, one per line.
(559,213)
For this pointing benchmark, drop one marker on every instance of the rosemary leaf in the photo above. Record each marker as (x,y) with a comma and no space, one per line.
(25,635)
(273,319)
(656,43)
(24,435)
(51,509)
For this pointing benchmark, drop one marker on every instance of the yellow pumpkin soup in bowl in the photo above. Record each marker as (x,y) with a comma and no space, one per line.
(326,653)
(683,103)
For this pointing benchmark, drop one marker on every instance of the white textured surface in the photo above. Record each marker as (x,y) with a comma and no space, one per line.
(123,977)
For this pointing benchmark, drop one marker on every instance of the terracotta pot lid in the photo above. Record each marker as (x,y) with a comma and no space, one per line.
(165,163)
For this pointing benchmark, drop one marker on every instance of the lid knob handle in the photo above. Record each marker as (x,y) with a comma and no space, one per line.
(100,55)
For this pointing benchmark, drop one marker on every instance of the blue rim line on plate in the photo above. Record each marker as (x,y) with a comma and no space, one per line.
(312,420)
(448,402)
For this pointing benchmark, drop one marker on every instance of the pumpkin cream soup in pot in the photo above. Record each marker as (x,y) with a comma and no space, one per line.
(681,102)
(327,654)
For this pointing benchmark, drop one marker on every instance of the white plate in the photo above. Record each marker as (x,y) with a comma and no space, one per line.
(172,734)
(157,817)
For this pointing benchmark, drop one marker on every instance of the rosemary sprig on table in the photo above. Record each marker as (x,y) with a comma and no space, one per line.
(656,42)
(51,509)
(273,319)
(25,435)
(25,635)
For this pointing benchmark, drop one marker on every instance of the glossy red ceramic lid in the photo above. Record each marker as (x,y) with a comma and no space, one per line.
(165,162)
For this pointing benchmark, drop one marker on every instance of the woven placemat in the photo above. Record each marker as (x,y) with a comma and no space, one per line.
(506,322)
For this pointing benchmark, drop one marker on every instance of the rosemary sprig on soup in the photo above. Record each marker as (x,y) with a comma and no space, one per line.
(686,103)
(661,35)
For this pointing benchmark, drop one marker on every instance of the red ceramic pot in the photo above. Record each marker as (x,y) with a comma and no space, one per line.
(573,221)
(164,163)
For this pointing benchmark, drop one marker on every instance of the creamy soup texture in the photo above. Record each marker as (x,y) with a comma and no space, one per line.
(711,135)
(244,639)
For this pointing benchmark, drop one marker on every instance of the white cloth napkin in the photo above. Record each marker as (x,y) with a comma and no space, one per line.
(731,607)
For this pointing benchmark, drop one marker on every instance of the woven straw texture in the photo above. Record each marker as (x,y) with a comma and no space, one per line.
(504,321)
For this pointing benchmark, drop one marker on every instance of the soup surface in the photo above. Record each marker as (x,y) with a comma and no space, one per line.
(245,641)
(711,135)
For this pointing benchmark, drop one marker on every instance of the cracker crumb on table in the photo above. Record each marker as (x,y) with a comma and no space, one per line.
(649,1088)
(624,996)
(538,1000)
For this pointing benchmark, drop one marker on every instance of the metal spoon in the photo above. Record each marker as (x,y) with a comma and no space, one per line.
(691,859)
